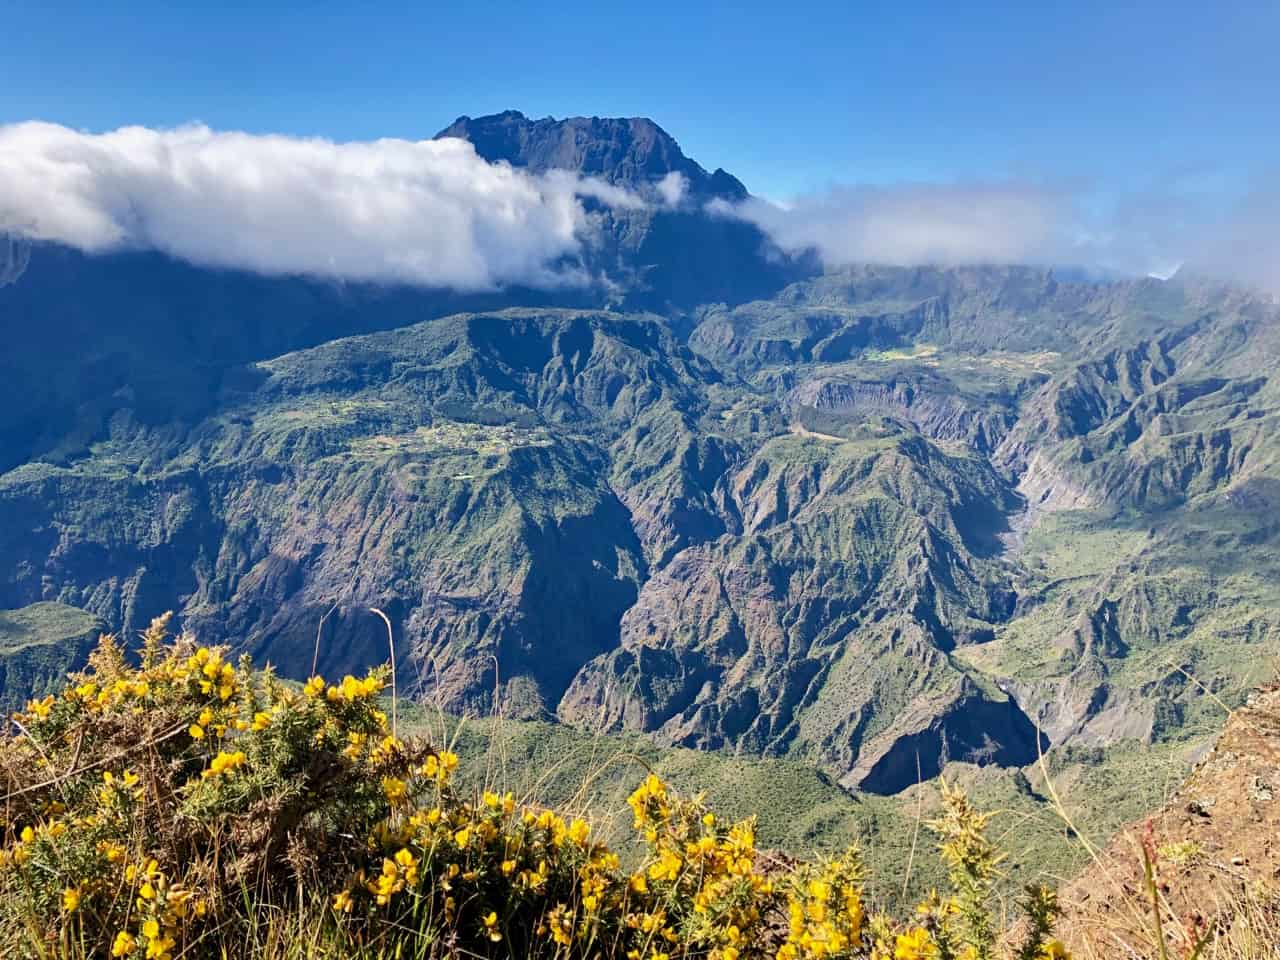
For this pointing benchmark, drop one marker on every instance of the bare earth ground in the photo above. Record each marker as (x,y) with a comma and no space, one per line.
(1217,846)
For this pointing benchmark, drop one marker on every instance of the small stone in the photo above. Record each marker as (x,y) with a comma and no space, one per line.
(1261,791)
(1237,861)
(1201,806)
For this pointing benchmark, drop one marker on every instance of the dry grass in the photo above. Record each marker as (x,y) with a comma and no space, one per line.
(1201,877)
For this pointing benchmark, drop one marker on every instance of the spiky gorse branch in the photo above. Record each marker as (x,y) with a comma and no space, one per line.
(159,811)
(826,914)
(1040,906)
(963,922)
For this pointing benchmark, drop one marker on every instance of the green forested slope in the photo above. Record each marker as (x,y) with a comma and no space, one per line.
(884,521)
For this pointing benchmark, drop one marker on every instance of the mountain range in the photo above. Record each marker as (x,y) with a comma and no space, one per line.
(874,518)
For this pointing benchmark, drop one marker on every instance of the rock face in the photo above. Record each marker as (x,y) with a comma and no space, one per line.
(821,626)
(39,645)
(976,727)
(671,253)
(160,339)
(499,546)
(933,408)
(634,153)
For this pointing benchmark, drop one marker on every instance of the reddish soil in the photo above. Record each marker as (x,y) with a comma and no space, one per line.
(1217,854)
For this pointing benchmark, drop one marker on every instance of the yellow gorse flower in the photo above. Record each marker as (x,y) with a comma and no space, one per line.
(491,927)
(578,832)
(466,866)
(40,709)
(394,790)
(225,764)
(351,689)
(915,944)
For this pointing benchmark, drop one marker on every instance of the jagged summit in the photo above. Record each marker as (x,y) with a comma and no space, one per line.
(673,253)
(628,151)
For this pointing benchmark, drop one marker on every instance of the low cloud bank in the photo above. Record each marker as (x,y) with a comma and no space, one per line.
(1157,233)
(914,224)
(429,212)
(434,213)
(1244,245)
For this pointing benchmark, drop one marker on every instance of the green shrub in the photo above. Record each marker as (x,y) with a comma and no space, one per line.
(189,807)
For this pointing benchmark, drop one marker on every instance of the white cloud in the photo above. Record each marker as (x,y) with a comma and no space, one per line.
(435,213)
(672,188)
(429,212)
(915,223)
(1152,232)
(1244,245)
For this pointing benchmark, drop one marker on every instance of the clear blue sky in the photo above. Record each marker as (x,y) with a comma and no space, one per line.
(790,96)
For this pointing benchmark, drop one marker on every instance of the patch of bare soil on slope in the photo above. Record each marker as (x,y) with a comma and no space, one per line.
(1216,854)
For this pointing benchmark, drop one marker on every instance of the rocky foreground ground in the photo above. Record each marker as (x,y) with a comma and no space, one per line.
(1216,847)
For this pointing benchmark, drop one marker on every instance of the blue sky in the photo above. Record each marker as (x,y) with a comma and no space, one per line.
(1133,137)
(791,97)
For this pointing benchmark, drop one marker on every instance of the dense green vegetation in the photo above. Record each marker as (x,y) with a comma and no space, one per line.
(955,507)
(39,645)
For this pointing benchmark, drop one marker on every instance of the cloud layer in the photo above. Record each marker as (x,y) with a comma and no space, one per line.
(434,213)
(428,212)
(916,223)
(1166,227)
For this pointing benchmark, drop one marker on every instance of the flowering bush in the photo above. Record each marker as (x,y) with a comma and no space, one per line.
(171,808)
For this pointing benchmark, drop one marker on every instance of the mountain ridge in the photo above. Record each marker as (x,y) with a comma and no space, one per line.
(632,152)
(744,582)
(139,317)
(878,519)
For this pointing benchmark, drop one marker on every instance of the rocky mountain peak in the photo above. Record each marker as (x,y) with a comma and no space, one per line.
(632,152)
